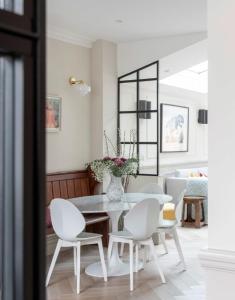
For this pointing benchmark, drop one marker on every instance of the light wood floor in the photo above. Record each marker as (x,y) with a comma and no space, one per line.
(188,285)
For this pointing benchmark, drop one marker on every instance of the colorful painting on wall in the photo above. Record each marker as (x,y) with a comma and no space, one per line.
(53,113)
(174,128)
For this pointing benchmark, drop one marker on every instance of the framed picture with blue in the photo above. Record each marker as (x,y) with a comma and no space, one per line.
(174,128)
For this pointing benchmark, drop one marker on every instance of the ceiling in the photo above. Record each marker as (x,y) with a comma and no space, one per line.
(193,79)
(126,20)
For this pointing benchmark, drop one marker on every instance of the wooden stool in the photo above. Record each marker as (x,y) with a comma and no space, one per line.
(188,202)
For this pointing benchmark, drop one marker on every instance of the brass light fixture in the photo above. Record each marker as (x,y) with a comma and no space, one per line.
(83,88)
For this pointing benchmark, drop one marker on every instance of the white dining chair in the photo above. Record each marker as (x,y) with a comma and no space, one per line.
(165,226)
(169,227)
(139,223)
(68,224)
(150,188)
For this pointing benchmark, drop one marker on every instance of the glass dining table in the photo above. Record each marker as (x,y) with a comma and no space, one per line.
(114,209)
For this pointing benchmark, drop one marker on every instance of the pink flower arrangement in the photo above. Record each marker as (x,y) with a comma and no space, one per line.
(117,166)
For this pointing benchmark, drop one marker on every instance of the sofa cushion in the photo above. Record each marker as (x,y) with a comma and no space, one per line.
(203,171)
(197,186)
(192,172)
(183,173)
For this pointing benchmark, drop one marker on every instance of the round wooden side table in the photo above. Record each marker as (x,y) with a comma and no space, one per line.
(188,203)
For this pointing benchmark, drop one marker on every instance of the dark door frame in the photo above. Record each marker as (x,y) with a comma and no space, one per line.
(23,37)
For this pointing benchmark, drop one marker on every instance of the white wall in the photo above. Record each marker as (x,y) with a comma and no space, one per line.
(180,60)
(96,101)
(104,96)
(221,133)
(133,55)
(68,149)
(85,118)
(198,133)
(219,260)
(183,59)
(198,136)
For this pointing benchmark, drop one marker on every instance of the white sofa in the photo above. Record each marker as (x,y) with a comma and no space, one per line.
(181,179)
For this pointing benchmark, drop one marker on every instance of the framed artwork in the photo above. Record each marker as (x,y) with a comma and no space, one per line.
(53,113)
(174,128)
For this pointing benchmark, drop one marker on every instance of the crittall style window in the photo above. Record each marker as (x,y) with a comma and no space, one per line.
(22,174)
(138,115)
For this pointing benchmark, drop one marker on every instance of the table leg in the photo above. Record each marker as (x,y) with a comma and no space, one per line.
(115,259)
(115,267)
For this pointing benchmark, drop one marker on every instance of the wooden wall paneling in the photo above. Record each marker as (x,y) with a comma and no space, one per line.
(49,195)
(85,187)
(71,188)
(74,184)
(63,189)
(56,189)
(77,186)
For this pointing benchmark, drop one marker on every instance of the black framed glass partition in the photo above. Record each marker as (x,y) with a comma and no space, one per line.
(138,112)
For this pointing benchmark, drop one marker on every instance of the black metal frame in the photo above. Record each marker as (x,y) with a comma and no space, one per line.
(137,112)
(23,36)
(161,129)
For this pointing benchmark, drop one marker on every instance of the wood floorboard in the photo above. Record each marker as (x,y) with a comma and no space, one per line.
(181,285)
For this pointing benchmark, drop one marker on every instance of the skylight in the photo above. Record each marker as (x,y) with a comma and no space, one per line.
(194,78)
(200,68)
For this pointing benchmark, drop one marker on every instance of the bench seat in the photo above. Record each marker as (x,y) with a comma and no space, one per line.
(74,184)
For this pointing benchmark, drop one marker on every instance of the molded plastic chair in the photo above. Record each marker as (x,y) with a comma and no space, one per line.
(68,224)
(169,226)
(140,223)
(150,188)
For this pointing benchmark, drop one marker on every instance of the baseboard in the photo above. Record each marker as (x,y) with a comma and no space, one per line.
(218,260)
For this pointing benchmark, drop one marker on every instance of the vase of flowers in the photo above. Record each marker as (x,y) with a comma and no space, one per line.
(118,166)
(115,189)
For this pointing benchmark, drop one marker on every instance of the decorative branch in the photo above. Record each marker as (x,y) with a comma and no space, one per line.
(124,145)
(108,141)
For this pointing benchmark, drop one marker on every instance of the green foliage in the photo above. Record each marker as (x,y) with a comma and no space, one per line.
(117,166)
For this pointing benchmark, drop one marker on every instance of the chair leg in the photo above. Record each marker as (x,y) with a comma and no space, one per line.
(110,248)
(163,241)
(148,254)
(136,258)
(122,249)
(177,243)
(101,251)
(78,266)
(154,253)
(55,255)
(144,256)
(75,260)
(131,264)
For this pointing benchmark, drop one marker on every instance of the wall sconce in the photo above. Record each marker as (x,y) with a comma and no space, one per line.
(202,116)
(83,88)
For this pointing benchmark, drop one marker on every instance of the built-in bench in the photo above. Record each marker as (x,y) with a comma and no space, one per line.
(73,184)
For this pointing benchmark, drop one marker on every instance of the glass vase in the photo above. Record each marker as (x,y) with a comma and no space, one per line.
(115,189)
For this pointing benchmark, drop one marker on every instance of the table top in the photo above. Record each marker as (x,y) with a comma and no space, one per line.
(101,203)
